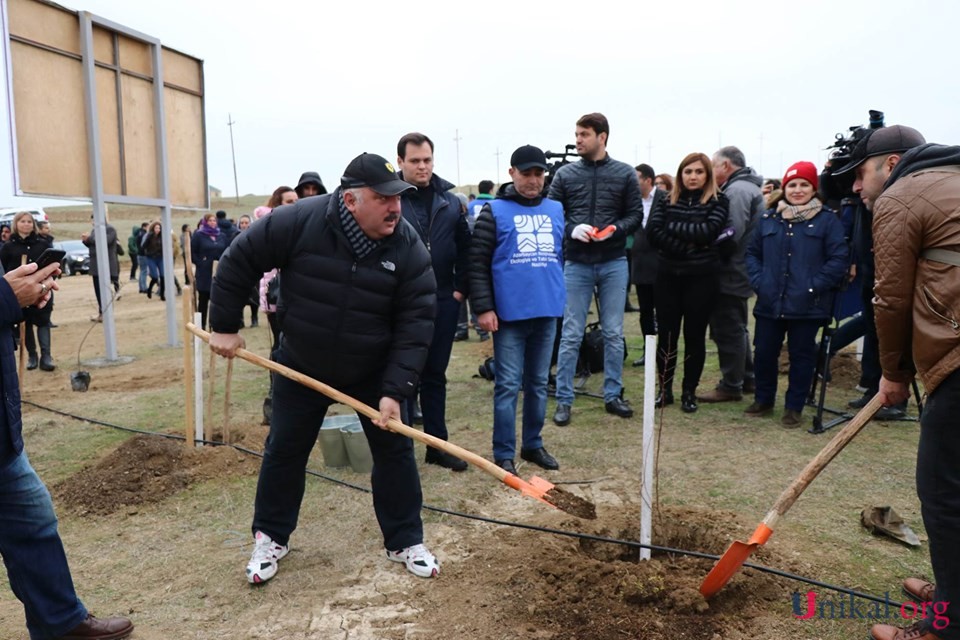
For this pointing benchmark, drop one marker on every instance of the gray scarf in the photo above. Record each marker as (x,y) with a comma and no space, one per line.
(361,244)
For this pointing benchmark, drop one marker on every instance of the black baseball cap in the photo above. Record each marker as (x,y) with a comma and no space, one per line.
(895,139)
(528,157)
(371,170)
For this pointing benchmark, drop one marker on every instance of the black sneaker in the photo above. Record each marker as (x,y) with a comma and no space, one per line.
(619,407)
(541,458)
(562,416)
(445,460)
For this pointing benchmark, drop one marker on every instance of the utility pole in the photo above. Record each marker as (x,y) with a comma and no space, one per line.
(457,139)
(230,123)
(497,177)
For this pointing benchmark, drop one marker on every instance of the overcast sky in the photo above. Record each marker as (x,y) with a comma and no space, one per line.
(312,84)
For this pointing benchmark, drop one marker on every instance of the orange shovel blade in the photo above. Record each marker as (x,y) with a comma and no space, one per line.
(537,487)
(731,561)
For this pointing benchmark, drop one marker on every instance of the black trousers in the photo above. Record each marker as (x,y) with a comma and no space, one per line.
(646,296)
(685,300)
(298,413)
(433,380)
(203,304)
(938,487)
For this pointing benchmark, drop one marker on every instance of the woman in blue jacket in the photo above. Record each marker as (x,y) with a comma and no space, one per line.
(796,260)
(206,247)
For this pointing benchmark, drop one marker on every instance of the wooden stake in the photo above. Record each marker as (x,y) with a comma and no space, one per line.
(226,403)
(188,370)
(23,342)
(211,374)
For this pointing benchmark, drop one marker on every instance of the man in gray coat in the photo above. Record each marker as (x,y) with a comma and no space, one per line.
(728,322)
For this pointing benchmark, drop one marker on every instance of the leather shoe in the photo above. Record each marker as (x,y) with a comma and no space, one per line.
(749,386)
(416,415)
(663,397)
(918,589)
(99,629)
(32,362)
(460,336)
(562,416)
(916,631)
(445,460)
(541,458)
(688,402)
(639,362)
(860,402)
(619,407)
(890,413)
(757,410)
(719,395)
(507,465)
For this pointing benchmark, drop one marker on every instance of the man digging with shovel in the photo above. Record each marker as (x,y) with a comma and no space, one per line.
(913,190)
(356,311)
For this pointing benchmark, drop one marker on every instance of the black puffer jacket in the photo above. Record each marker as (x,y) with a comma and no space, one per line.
(345,322)
(685,233)
(600,194)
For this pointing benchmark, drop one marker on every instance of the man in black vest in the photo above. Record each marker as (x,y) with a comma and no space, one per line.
(356,308)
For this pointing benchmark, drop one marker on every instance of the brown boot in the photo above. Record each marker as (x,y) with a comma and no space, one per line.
(99,629)
(915,631)
(918,589)
(757,410)
(719,395)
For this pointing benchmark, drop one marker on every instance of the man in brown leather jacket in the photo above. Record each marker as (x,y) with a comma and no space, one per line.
(913,190)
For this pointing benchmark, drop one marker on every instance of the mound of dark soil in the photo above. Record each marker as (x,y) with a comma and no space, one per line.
(143,470)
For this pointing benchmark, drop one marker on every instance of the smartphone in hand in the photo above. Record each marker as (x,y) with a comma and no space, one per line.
(50,256)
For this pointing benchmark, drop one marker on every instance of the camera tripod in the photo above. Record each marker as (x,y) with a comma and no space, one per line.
(815,399)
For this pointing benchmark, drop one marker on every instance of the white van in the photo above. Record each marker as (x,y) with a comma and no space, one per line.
(6,215)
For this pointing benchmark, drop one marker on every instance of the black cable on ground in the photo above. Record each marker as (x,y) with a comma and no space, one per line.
(505,523)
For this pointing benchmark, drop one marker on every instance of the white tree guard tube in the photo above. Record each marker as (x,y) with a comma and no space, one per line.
(198,351)
(648,449)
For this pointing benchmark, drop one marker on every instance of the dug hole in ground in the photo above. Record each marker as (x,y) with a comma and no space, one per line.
(160,532)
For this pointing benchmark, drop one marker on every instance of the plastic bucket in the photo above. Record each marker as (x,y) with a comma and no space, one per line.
(331,440)
(358,449)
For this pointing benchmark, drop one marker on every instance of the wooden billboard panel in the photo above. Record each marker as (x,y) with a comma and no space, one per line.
(45,23)
(136,56)
(184,117)
(103,46)
(49,111)
(107,114)
(139,138)
(182,71)
(51,134)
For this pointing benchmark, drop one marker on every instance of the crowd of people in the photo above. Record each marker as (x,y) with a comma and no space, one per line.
(366,288)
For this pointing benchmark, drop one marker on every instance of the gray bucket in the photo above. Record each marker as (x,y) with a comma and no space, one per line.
(358,449)
(331,440)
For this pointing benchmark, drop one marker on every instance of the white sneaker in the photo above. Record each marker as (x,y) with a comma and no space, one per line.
(419,561)
(265,559)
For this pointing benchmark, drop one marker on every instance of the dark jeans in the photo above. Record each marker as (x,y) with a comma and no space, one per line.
(938,487)
(686,300)
(802,345)
(33,553)
(522,351)
(133,267)
(298,413)
(728,328)
(433,380)
(648,312)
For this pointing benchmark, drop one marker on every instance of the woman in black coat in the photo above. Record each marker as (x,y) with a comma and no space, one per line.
(24,241)
(684,230)
(206,246)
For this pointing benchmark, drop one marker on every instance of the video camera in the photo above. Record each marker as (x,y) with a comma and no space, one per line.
(568,155)
(837,188)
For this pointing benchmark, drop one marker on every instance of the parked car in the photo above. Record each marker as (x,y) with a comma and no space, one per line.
(77,259)
(6,215)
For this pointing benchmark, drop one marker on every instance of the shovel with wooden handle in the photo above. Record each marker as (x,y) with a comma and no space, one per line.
(536,488)
(738,552)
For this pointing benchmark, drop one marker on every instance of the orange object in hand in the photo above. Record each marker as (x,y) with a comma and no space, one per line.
(603,234)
